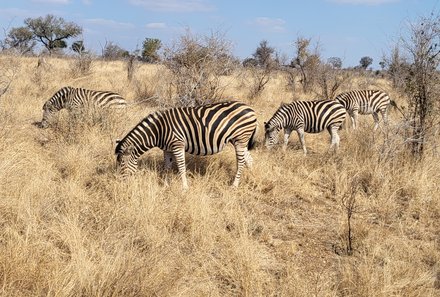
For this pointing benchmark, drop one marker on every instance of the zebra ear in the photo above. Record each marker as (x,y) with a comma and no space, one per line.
(117,141)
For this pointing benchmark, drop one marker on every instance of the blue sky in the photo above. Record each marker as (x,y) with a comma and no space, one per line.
(349,29)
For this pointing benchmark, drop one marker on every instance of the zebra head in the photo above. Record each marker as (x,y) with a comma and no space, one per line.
(54,104)
(271,134)
(126,158)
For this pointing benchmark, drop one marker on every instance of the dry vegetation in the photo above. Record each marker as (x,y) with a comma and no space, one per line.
(363,222)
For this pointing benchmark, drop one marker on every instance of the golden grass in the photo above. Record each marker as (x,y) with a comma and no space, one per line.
(70,227)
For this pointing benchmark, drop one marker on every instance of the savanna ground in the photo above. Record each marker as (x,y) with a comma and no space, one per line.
(362,222)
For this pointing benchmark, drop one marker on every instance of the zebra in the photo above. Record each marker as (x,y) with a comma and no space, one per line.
(305,116)
(202,130)
(366,102)
(74,98)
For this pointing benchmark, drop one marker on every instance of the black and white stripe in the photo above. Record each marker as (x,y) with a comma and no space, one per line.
(202,130)
(74,98)
(366,102)
(305,116)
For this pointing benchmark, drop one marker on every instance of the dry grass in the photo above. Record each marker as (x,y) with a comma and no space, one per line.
(70,227)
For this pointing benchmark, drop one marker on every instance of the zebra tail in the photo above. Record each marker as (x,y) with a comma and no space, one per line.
(394,104)
(251,143)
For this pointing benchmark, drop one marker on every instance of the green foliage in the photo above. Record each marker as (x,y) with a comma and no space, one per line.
(150,48)
(78,47)
(20,39)
(365,62)
(52,31)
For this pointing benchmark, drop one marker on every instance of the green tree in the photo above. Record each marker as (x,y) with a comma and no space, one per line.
(78,47)
(52,31)
(20,39)
(150,48)
(365,62)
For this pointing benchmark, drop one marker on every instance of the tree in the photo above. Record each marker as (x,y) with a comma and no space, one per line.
(78,47)
(150,47)
(365,62)
(196,64)
(52,31)
(264,54)
(112,51)
(307,62)
(335,62)
(20,39)
(422,47)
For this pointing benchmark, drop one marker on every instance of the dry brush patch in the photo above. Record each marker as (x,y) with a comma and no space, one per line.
(69,226)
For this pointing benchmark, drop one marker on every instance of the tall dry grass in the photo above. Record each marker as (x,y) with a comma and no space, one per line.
(70,227)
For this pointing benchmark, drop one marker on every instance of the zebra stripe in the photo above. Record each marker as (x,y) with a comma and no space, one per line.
(366,102)
(305,116)
(202,130)
(74,98)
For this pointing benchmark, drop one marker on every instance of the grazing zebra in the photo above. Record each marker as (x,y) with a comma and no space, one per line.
(202,130)
(366,102)
(305,116)
(74,98)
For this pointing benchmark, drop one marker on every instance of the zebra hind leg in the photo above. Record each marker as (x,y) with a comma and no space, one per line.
(248,159)
(376,120)
(242,154)
(334,142)
(179,155)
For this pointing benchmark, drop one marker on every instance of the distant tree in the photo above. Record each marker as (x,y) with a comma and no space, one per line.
(150,48)
(112,51)
(20,39)
(307,62)
(78,47)
(52,31)
(250,62)
(335,62)
(264,54)
(365,62)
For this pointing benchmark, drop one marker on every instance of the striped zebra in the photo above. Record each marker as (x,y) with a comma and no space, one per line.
(366,102)
(305,116)
(74,98)
(202,130)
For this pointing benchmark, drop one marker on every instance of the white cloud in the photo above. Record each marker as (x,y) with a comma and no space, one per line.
(366,2)
(110,23)
(269,24)
(87,2)
(64,2)
(156,25)
(174,5)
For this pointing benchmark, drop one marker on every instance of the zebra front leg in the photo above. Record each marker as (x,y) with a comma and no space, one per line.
(334,142)
(179,155)
(300,132)
(240,152)
(286,137)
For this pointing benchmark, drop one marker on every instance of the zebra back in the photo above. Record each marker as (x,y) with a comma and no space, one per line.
(364,101)
(312,116)
(204,130)
(101,99)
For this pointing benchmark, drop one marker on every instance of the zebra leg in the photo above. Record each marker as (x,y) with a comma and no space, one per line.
(179,155)
(376,120)
(286,137)
(300,132)
(167,160)
(354,118)
(240,152)
(384,113)
(334,142)
(248,159)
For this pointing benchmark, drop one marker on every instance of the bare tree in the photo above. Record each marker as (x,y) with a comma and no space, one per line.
(196,64)
(423,48)
(261,67)
(307,62)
